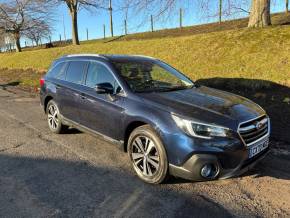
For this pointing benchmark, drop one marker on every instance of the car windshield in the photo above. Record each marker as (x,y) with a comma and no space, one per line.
(152,76)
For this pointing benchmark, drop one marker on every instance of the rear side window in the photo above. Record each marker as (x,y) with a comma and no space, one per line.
(58,72)
(98,73)
(75,71)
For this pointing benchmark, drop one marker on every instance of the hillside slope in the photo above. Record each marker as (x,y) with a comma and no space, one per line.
(244,53)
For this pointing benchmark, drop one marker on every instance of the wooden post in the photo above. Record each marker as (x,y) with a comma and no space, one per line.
(180,18)
(64,34)
(152,27)
(220,10)
(111,18)
(125,25)
(104,28)
(87,34)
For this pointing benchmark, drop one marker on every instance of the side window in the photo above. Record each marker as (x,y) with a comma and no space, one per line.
(58,71)
(75,71)
(98,73)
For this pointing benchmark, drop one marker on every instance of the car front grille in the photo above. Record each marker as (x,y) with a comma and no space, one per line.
(253,130)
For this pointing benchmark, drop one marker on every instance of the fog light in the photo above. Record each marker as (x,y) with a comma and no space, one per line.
(208,171)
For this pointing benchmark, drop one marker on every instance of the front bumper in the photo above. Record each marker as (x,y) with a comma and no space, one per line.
(191,169)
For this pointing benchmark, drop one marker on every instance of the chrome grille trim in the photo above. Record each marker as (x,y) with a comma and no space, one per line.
(245,129)
(252,132)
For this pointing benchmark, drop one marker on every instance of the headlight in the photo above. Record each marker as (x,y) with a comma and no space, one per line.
(200,130)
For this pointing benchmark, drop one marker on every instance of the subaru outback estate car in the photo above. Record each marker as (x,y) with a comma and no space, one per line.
(166,123)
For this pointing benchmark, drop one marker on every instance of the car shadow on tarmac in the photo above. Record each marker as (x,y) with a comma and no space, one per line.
(72,130)
(276,165)
(4,86)
(37,187)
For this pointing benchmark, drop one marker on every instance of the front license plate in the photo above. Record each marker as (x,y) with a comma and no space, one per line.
(258,147)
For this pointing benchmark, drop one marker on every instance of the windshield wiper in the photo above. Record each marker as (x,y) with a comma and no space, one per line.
(164,89)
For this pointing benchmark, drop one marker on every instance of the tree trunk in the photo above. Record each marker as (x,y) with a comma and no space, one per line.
(260,13)
(17,41)
(287,5)
(111,18)
(75,34)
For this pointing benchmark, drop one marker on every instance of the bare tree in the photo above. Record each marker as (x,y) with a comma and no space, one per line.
(223,8)
(39,31)
(148,7)
(7,41)
(259,10)
(209,8)
(260,13)
(74,6)
(19,16)
(287,5)
(150,10)
(2,40)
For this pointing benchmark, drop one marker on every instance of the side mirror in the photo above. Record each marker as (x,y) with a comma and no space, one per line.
(104,88)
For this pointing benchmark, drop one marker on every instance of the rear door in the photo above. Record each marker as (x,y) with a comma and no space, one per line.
(71,90)
(55,78)
(102,112)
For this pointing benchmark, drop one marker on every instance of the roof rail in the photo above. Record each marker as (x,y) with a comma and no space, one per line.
(104,56)
(144,56)
(84,55)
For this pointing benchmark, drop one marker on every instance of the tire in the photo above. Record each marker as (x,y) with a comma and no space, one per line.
(152,155)
(53,118)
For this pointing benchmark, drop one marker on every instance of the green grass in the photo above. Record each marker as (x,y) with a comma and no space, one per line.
(258,54)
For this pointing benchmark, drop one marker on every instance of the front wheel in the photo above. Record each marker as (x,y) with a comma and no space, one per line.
(148,155)
(53,118)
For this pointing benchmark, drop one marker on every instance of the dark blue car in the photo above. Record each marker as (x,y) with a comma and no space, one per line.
(166,123)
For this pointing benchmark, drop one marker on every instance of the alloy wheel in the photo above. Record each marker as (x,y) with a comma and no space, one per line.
(145,156)
(53,119)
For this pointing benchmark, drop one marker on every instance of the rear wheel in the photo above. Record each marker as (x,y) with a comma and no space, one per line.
(148,155)
(53,118)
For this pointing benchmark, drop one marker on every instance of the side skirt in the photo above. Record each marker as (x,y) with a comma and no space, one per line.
(83,128)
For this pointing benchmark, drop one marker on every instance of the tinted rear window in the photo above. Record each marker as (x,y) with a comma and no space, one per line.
(75,71)
(58,71)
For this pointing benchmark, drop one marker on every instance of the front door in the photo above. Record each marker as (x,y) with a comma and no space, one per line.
(101,112)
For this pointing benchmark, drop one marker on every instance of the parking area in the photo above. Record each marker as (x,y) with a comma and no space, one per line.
(78,175)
